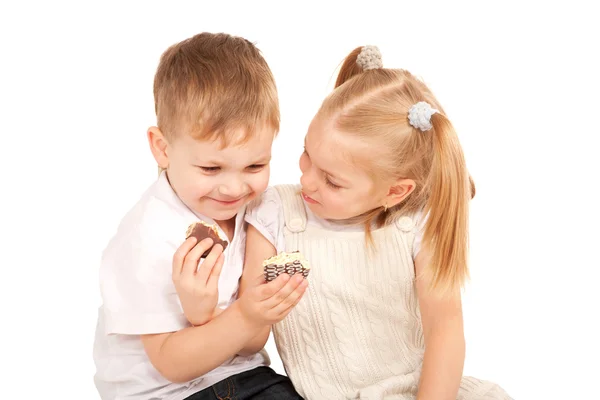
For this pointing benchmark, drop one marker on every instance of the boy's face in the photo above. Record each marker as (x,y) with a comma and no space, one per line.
(214,181)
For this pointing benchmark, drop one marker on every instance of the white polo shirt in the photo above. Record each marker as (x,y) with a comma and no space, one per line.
(139,298)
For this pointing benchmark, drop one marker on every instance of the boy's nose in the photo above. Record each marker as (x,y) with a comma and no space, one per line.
(234,189)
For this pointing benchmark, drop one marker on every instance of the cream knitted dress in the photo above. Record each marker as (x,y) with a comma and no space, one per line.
(357,332)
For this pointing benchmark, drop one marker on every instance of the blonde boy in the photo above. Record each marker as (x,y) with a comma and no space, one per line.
(217,112)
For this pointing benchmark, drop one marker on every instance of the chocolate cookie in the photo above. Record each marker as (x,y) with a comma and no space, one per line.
(289,263)
(201,230)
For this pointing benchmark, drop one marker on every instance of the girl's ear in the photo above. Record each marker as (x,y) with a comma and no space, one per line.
(398,192)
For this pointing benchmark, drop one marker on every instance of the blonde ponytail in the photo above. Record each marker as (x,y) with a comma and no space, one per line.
(450,189)
(359,60)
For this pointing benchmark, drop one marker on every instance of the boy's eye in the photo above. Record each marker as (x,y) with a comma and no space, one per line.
(256,167)
(209,169)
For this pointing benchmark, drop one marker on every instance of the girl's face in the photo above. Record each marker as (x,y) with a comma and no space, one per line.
(333,185)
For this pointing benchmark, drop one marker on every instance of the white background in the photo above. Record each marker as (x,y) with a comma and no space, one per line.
(519,81)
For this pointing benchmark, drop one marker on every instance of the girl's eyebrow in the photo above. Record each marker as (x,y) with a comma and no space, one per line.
(334,177)
(337,178)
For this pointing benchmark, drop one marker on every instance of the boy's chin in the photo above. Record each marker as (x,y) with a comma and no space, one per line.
(223,215)
(219,213)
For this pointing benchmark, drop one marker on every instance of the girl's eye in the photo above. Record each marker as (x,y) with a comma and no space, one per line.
(331,184)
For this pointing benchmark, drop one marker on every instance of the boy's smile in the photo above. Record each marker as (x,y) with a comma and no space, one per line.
(213,180)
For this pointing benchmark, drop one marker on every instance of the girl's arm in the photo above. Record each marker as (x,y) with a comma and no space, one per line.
(258,249)
(444,338)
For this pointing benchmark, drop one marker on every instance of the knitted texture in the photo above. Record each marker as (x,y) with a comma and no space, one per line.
(356,333)
(369,58)
(419,115)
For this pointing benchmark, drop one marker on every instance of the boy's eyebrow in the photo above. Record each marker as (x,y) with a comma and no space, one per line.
(207,162)
(261,160)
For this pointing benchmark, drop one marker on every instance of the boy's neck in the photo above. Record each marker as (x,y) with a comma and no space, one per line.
(228,226)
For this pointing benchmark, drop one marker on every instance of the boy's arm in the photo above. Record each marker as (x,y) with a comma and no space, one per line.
(258,249)
(192,352)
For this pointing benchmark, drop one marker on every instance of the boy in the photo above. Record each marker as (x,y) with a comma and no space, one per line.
(217,115)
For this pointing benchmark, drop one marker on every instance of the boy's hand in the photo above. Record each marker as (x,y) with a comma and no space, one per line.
(197,287)
(269,303)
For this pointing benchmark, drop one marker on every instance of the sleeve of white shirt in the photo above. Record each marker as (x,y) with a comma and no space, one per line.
(136,284)
(266,216)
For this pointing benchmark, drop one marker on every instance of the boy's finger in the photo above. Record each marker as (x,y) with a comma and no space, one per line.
(213,279)
(208,264)
(193,257)
(179,256)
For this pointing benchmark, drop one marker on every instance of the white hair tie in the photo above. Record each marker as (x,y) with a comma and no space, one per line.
(420,114)
(369,58)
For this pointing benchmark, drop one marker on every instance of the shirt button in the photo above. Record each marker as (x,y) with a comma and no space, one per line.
(405,224)
(295,224)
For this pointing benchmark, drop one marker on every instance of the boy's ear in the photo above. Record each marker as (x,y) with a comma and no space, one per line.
(399,191)
(158,145)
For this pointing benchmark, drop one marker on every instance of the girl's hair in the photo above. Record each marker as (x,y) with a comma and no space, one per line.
(373,105)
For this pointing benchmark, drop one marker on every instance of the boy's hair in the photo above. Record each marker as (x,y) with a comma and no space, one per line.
(212,85)
(373,105)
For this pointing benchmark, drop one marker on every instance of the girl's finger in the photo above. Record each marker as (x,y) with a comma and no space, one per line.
(282,294)
(292,300)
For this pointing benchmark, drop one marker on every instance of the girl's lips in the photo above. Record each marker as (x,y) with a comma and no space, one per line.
(309,199)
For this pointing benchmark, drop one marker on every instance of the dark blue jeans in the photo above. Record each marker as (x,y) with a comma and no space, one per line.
(261,383)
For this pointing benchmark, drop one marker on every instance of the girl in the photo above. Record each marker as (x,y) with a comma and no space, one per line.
(381,213)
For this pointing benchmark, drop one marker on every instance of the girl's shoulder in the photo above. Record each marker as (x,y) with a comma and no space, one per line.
(265,213)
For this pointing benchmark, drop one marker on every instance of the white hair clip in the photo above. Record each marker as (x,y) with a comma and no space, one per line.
(369,58)
(420,114)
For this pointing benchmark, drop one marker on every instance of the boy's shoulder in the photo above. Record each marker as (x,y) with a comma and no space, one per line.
(157,219)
